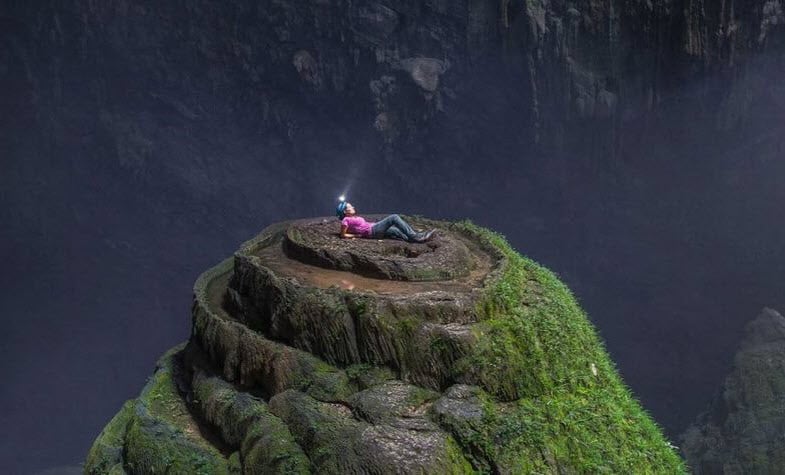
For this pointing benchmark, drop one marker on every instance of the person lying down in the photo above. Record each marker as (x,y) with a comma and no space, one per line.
(391,227)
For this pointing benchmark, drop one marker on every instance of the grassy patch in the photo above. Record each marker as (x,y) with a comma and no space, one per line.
(364,375)
(567,405)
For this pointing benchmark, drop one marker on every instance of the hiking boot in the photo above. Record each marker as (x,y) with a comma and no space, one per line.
(424,237)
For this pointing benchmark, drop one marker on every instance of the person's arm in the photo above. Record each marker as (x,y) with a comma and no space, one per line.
(344,233)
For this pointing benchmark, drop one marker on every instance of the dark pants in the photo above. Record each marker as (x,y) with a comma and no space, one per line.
(393,227)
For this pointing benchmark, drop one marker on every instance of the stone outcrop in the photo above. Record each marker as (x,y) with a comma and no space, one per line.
(297,364)
(744,429)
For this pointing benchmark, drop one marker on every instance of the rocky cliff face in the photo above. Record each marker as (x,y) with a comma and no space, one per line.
(395,66)
(370,359)
(744,429)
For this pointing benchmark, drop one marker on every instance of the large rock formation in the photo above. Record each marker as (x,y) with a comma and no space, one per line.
(744,429)
(309,353)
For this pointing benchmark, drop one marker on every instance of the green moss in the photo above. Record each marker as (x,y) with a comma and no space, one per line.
(358,305)
(107,450)
(537,347)
(235,465)
(320,380)
(157,447)
(364,376)
(419,396)
(582,433)
(117,469)
(590,432)
(551,398)
(155,433)
(470,431)
(221,406)
(244,421)
(439,345)
(162,436)
(406,326)
(457,461)
(327,436)
(270,448)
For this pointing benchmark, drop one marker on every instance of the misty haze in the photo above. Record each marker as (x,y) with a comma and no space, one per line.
(634,149)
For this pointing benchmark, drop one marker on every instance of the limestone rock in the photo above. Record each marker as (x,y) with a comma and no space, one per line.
(302,361)
(441,258)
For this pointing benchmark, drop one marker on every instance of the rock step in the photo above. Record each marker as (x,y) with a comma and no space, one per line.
(366,398)
(248,359)
(422,352)
(419,329)
(270,247)
(156,433)
(243,421)
(226,430)
(316,242)
(384,426)
(337,442)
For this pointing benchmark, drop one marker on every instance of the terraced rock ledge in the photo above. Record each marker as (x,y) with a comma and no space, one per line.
(314,354)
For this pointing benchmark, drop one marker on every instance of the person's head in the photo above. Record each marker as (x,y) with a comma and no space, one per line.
(344,209)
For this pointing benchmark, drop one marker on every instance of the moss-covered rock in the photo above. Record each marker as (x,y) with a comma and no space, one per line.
(743,430)
(106,454)
(418,330)
(391,400)
(243,421)
(247,357)
(156,433)
(551,396)
(337,442)
(299,368)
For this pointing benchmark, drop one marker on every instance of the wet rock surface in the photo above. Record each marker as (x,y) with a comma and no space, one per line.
(395,324)
(445,256)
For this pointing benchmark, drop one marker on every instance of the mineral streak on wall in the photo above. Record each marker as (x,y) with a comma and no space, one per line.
(397,63)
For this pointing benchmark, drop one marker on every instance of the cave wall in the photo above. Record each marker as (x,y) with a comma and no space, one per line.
(627,145)
(395,65)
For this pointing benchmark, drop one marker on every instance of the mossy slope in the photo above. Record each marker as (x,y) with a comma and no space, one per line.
(551,399)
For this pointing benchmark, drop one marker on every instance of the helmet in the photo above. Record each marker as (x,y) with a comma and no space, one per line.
(339,211)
